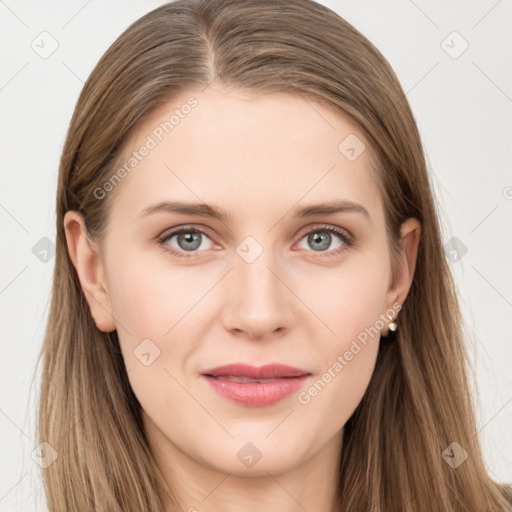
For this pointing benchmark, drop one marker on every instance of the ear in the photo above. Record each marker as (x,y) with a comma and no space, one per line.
(401,281)
(89,267)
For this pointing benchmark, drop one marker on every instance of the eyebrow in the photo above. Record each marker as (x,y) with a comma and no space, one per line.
(215,212)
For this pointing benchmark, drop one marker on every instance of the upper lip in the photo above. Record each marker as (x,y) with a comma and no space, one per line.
(268,371)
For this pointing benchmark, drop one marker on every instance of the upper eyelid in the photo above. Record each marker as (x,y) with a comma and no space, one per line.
(168,233)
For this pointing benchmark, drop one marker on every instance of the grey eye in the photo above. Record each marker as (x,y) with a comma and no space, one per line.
(187,240)
(320,240)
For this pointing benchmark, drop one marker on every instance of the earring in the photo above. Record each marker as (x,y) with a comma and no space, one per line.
(392,326)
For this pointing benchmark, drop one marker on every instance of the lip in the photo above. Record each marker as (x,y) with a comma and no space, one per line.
(267,371)
(285,381)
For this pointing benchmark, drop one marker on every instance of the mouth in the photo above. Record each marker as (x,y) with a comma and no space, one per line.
(252,386)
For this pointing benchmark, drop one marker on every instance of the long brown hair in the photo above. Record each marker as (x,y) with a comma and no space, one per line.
(418,401)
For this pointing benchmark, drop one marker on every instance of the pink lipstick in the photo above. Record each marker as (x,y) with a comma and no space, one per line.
(253,386)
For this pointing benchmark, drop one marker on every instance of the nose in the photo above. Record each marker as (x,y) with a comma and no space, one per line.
(258,303)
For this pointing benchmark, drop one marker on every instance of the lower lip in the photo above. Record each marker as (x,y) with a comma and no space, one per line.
(256,394)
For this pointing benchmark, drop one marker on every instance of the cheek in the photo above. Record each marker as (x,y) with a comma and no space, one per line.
(350,303)
(149,296)
(150,305)
(333,395)
(348,362)
(160,310)
(350,299)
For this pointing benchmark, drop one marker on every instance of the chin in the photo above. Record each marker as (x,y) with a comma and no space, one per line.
(243,457)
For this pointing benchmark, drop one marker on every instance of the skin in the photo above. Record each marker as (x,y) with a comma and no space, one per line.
(258,157)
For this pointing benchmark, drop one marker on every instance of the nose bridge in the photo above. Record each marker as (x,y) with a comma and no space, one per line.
(258,302)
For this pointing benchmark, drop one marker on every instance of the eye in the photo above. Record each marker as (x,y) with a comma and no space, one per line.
(188,240)
(320,239)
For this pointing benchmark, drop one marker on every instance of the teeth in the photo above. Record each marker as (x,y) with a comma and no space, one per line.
(244,379)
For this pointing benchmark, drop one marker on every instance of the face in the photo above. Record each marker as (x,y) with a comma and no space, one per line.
(262,284)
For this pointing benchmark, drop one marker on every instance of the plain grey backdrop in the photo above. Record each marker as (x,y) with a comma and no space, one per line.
(453,60)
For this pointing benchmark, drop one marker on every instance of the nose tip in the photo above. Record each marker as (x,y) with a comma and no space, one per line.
(258,304)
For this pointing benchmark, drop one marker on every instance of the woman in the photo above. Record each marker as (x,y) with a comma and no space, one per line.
(251,306)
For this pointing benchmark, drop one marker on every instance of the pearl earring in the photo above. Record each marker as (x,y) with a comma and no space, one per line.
(392,326)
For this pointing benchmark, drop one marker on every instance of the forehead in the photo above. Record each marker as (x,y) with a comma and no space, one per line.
(246,150)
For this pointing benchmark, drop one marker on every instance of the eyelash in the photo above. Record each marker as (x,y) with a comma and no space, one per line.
(347,239)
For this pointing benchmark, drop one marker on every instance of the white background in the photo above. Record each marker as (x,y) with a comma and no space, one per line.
(463,107)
